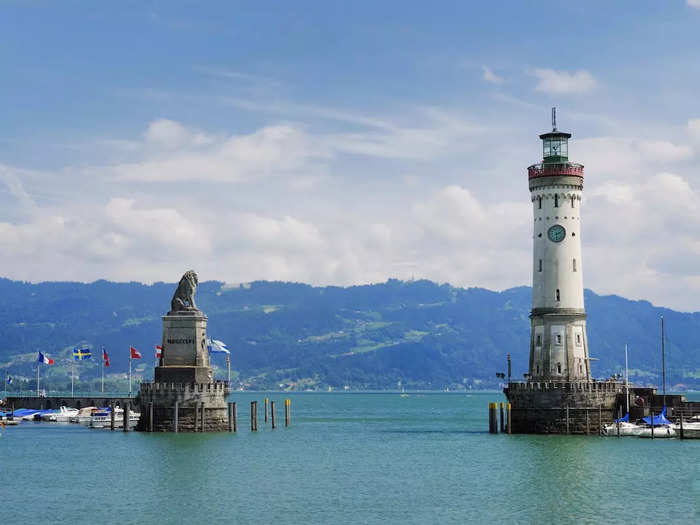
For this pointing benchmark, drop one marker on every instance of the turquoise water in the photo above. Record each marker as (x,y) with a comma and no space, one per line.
(347,458)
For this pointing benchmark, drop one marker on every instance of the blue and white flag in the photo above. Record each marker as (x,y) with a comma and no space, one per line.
(217,347)
(9,380)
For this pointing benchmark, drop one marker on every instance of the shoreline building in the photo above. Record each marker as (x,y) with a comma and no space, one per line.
(558,394)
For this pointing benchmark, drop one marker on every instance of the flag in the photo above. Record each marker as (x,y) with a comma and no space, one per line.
(159,351)
(217,347)
(135,354)
(9,380)
(105,357)
(79,354)
(44,359)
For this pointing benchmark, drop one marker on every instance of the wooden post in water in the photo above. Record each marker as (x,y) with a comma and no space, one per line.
(272,414)
(287,412)
(176,416)
(196,416)
(600,419)
(150,416)
(500,410)
(681,423)
(651,411)
(254,416)
(266,403)
(125,415)
(234,410)
(229,414)
(588,425)
(509,420)
(202,418)
(111,416)
(567,419)
(493,422)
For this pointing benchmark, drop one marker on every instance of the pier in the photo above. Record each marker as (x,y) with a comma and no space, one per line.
(53,402)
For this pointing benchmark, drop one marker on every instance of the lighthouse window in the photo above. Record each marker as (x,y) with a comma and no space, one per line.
(572,202)
(574,264)
(556,201)
(539,203)
(540,269)
(578,339)
(558,298)
(558,339)
(558,368)
(539,340)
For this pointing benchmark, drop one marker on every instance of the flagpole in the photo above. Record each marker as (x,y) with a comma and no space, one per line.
(228,367)
(103,369)
(6,382)
(129,372)
(72,377)
(37,378)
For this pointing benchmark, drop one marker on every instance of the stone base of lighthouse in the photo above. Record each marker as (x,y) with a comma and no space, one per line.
(560,407)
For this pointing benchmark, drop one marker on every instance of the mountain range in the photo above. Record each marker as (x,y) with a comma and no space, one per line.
(413,334)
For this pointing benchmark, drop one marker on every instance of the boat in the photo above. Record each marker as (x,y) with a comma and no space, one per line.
(662,427)
(83,415)
(62,415)
(626,428)
(102,418)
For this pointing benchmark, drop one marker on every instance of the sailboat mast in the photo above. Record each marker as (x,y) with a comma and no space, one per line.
(663,361)
(627,382)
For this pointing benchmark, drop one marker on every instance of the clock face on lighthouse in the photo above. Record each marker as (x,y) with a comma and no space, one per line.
(556,233)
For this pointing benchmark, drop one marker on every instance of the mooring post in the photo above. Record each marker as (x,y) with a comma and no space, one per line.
(567,419)
(176,416)
(287,412)
(651,411)
(509,419)
(600,419)
(266,403)
(234,409)
(150,416)
(125,416)
(202,418)
(196,416)
(254,416)
(272,414)
(111,416)
(500,410)
(493,422)
(588,425)
(229,413)
(13,412)
(681,423)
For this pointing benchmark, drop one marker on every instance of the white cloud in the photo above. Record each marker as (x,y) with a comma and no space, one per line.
(694,3)
(694,128)
(489,76)
(562,82)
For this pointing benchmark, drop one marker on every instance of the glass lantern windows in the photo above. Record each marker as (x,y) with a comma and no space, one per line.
(555,147)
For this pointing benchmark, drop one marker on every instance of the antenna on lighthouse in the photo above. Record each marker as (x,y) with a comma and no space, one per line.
(554,119)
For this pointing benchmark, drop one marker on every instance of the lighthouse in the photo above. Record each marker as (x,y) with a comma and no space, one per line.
(558,342)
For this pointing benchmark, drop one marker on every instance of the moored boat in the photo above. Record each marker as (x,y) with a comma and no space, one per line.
(83,415)
(102,418)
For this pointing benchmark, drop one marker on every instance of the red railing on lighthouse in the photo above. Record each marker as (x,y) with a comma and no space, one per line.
(555,170)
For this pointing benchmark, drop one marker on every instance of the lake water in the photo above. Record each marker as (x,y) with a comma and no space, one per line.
(347,458)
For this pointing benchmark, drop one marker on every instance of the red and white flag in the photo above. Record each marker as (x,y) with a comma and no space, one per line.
(159,351)
(135,354)
(105,357)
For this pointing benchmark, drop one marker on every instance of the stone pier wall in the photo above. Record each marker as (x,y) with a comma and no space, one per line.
(189,397)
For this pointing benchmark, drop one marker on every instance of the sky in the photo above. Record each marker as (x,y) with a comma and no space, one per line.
(346,142)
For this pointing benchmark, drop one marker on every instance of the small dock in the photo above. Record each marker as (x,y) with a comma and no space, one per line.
(54,402)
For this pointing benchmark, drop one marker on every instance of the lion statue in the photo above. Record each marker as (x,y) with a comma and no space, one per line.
(183,299)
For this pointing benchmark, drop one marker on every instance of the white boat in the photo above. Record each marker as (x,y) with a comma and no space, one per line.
(626,429)
(83,415)
(691,429)
(660,431)
(103,418)
(63,415)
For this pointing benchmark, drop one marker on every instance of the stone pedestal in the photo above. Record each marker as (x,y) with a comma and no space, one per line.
(560,407)
(186,378)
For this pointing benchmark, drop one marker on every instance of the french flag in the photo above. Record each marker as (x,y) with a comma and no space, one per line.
(159,351)
(135,354)
(44,359)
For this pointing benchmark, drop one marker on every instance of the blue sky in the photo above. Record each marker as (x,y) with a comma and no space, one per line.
(340,143)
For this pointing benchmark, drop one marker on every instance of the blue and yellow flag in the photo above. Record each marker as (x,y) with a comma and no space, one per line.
(80,354)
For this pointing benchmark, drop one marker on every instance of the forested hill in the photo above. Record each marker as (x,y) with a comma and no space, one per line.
(420,333)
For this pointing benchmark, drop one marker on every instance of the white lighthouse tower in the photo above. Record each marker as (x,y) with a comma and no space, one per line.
(558,342)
